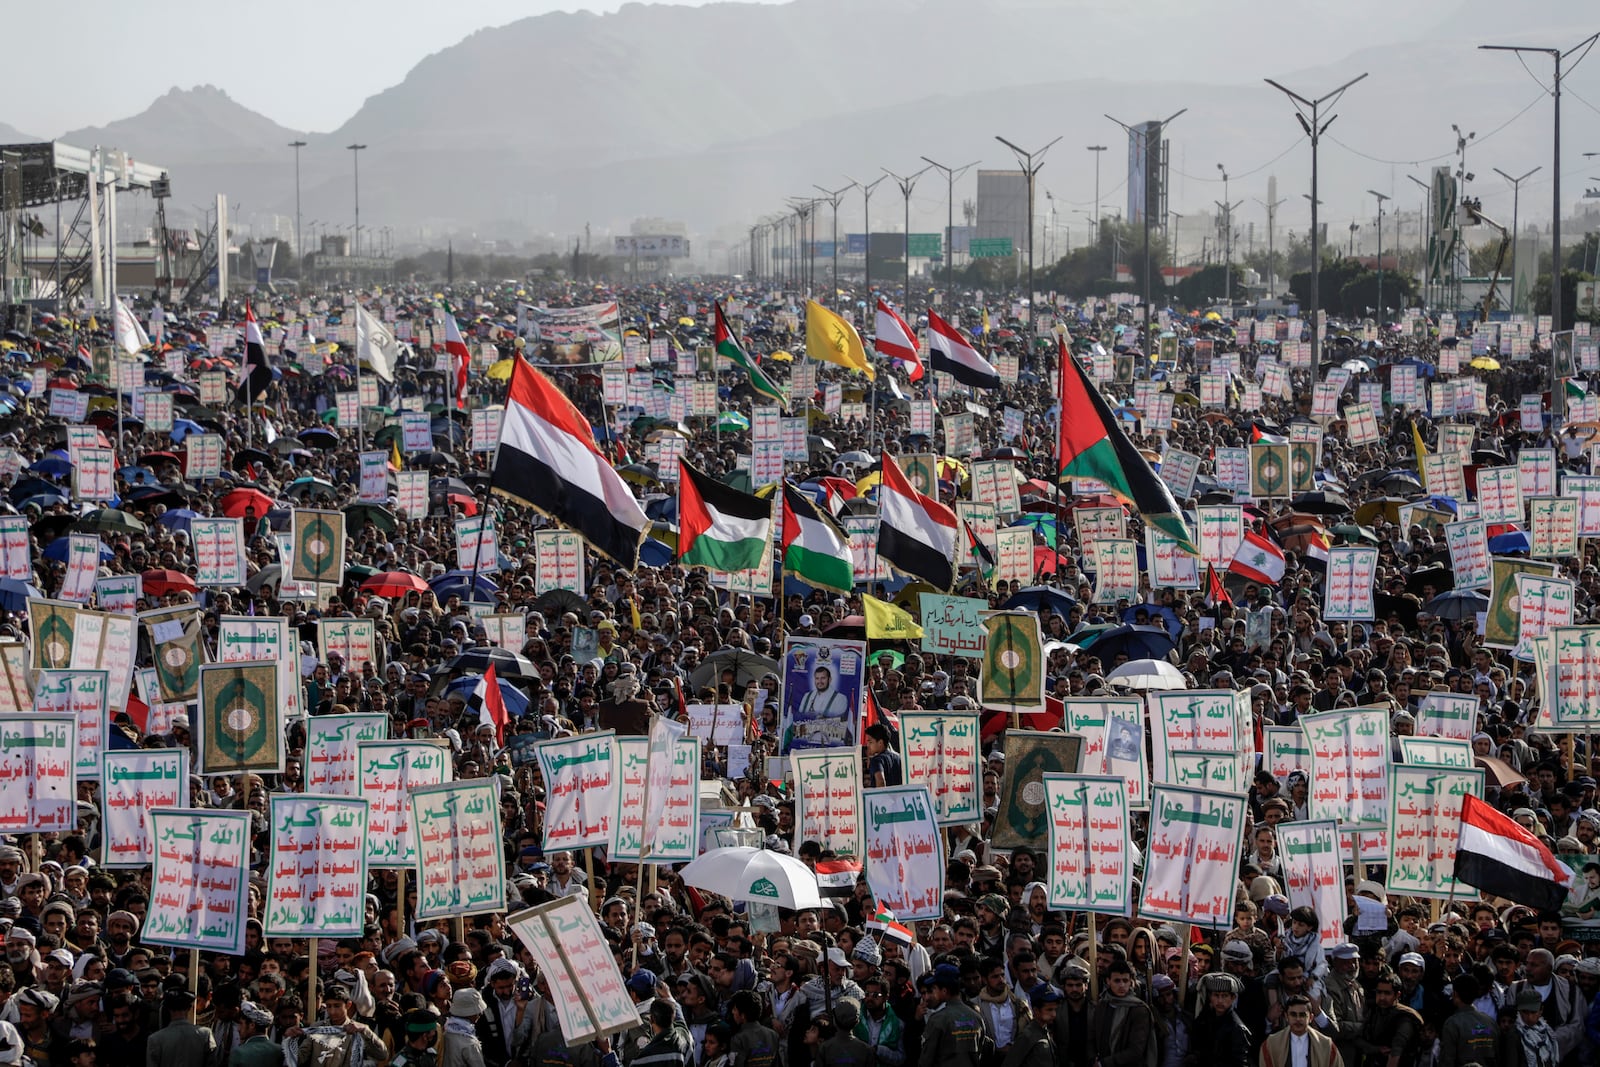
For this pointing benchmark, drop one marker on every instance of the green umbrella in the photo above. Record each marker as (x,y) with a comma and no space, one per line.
(359,572)
(732,420)
(1351,532)
(109,520)
(739,480)
(376,514)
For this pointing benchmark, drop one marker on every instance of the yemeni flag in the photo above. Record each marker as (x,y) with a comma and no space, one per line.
(884,925)
(1092,445)
(895,338)
(548,461)
(1258,560)
(950,351)
(1497,856)
(837,877)
(257,375)
(456,348)
(814,550)
(492,705)
(872,712)
(729,349)
(720,528)
(917,535)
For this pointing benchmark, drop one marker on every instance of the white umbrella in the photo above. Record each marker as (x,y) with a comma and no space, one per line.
(1147,674)
(760,875)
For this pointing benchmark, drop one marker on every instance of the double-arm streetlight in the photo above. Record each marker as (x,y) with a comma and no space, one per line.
(950,176)
(906,184)
(1031,169)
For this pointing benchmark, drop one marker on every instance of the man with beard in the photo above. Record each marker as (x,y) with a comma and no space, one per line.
(1124,1034)
(1345,1001)
(120,928)
(1218,1038)
(1075,1015)
(1393,1032)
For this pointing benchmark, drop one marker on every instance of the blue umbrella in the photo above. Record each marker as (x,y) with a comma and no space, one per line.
(1135,642)
(1515,541)
(57,550)
(1160,615)
(14,594)
(32,487)
(139,476)
(662,509)
(54,466)
(182,428)
(1040,597)
(45,500)
(177,519)
(655,553)
(516,700)
(456,583)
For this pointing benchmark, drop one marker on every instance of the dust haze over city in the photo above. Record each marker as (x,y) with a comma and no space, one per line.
(531,133)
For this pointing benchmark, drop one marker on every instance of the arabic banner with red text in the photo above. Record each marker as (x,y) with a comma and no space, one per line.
(1313,871)
(1349,766)
(1090,823)
(1204,720)
(672,794)
(1113,741)
(586,986)
(941,750)
(198,880)
(580,777)
(1425,823)
(317,868)
(132,783)
(386,773)
(81,695)
(38,782)
(827,799)
(633,762)
(905,853)
(1192,862)
(461,866)
(263,639)
(331,751)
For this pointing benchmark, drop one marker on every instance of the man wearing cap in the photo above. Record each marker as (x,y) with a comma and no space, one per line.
(1034,1045)
(256,1049)
(952,1034)
(1345,1001)
(1563,1005)
(180,1043)
(1218,1038)
(1075,1014)
(839,984)
(1299,1045)
(459,1045)
(1530,1042)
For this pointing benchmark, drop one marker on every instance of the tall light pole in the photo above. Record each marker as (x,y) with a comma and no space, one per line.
(1031,169)
(1272,207)
(906,185)
(805,210)
(355,155)
(1423,225)
(1516,198)
(832,200)
(1096,149)
(1227,207)
(299,249)
(866,225)
(950,176)
(1381,199)
(1160,132)
(1314,128)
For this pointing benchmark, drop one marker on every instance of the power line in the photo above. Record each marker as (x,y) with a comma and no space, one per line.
(1442,155)
(1254,170)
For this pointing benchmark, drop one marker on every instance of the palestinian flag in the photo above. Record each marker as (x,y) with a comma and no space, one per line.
(814,551)
(720,528)
(837,877)
(982,558)
(548,461)
(1091,445)
(1496,855)
(729,349)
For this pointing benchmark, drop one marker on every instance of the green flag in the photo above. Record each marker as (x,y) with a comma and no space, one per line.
(1013,662)
(239,727)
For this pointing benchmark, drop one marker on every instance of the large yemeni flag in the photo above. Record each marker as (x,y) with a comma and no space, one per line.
(257,375)
(547,460)
(1090,444)
(493,705)
(456,347)
(1498,856)
(730,349)
(814,551)
(949,351)
(720,528)
(917,535)
(895,338)
(1258,559)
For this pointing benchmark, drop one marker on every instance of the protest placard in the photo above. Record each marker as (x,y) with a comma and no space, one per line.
(386,773)
(1468,542)
(16,548)
(941,751)
(1502,626)
(264,639)
(1090,825)
(1436,752)
(318,546)
(374,478)
(1221,533)
(83,566)
(1424,823)
(199,879)
(1014,554)
(1447,715)
(671,794)
(132,782)
(355,641)
(203,457)
(174,634)
(119,594)
(1350,589)
(1191,863)
(1349,766)
(559,557)
(239,726)
(1284,752)
(1204,720)
(1171,565)
(477,547)
(586,987)
(580,776)
(1313,871)
(1116,570)
(828,798)
(316,867)
(38,777)
(951,625)
(460,861)
(505,631)
(411,494)
(1112,729)
(218,551)
(904,852)
(81,696)
(331,751)
(1552,526)
(1543,604)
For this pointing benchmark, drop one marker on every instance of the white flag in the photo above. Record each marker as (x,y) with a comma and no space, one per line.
(130,335)
(376,344)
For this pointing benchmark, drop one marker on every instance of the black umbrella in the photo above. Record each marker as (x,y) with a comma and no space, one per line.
(559,602)
(1458,605)
(244,457)
(1441,578)
(1321,502)
(507,664)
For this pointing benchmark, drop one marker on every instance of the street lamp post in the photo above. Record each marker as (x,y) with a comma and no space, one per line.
(1516,199)
(906,185)
(1031,169)
(1096,149)
(832,200)
(299,248)
(950,176)
(1422,233)
(1314,128)
(355,155)
(1381,199)
(1146,212)
(1227,207)
(866,225)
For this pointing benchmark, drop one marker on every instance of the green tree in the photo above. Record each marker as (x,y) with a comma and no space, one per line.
(1203,287)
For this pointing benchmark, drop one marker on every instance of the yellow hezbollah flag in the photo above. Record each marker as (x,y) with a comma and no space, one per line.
(1422,450)
(889,622)
(396,461)
(833,340)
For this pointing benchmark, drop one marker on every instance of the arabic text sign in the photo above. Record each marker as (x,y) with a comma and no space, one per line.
(586,986)
(1424,823)
(1349,765)
(82,696)
(559,555)
(218,551)
(1313,870)
(1351,583)
(331,751)
(1192,861)
(132,783)
(1452,716)
(1090,825)
(387,772)
(460,862)
(1100,722)
(941,749)
(1576,700)
(828,798)
(580,777)
(317,871)
(199,879)
(905,854)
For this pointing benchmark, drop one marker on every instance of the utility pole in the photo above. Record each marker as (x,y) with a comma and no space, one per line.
(950,176)
(1149,208)
(1271,203)
(1031,169)
(906,185)
(1381,199)
(866,225)
(299,249)
(832,200)
(1314,128)
(1422,233)
(1462,178)
(1227,207)
(1516,199)
(355,155)
(1097,149)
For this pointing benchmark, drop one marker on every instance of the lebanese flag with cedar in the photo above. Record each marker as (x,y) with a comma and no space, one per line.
(1258,560)
(894,337)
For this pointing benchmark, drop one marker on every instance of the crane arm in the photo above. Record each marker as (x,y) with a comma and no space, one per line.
(1475,213)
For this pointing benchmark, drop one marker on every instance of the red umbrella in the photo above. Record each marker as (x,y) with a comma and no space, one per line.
(394,584)
(467,504)
(1044,560)
(162,582)
(238,501)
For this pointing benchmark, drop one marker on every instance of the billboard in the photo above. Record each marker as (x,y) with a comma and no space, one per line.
(1443,233)
(1145,171)
(1003,206)
(651,246)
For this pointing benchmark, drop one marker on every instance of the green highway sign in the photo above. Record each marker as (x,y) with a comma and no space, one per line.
(989,247)
(924,244)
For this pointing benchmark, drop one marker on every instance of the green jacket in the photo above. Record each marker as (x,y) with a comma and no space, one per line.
(259,1051)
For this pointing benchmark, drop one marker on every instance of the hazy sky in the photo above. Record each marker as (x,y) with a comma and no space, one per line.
(289,60)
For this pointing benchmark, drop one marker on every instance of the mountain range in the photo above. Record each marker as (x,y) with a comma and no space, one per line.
(714,115)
